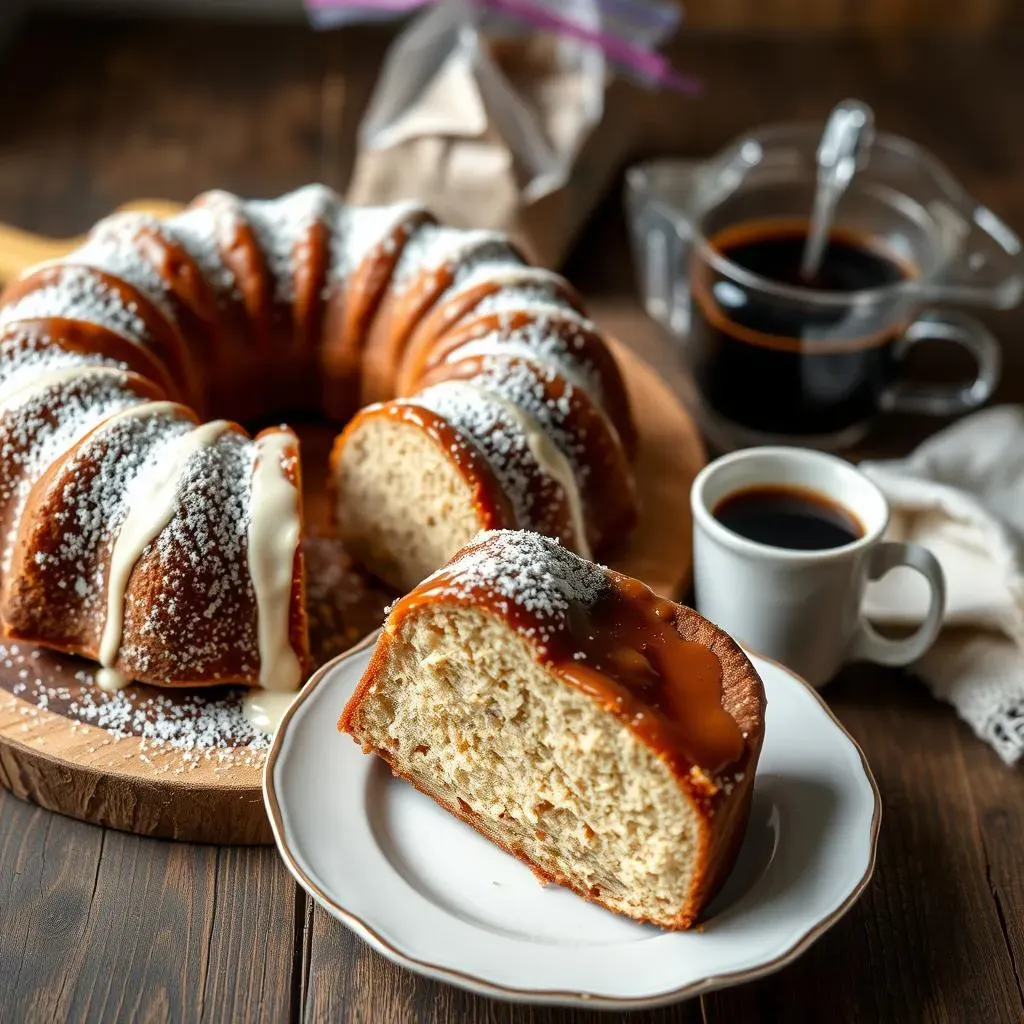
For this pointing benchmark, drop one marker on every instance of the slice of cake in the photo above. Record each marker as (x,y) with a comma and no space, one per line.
(605,736)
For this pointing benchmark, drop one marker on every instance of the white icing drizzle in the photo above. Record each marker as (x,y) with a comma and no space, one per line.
(150,510)
(110,680)
(264,709)
(547,454)
(274,529)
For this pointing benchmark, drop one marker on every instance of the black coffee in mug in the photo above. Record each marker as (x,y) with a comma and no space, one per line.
(788,517)
(780,354)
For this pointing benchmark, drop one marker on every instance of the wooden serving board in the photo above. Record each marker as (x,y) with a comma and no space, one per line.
(185,765)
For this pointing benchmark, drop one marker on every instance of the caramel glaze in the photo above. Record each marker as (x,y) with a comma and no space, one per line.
(625,652)
(491,504)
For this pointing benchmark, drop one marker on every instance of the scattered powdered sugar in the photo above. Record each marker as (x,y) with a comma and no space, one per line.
(199,232)
(282,228)
(113,246)
(28,350)
(525,569)
(213,726)
(356,231)
(197,726)
(78,293)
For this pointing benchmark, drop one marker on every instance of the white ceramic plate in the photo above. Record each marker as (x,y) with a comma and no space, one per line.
(434,896)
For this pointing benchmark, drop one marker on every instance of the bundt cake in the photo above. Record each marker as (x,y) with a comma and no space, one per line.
(168,548)
(605,736)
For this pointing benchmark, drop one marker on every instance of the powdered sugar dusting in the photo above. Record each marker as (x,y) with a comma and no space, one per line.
(517,567)
(94,486)
(77,293)
(509,275)
(541,392)
(356,231)
(282,229)
(43,425)
(560,345)
(113,246)
(538,299)
(28,350)
(434,247)
(197,230)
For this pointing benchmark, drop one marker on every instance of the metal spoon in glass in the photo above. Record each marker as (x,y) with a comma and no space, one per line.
(843,150)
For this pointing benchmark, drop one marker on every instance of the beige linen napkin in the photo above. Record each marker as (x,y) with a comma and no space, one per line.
(961,494)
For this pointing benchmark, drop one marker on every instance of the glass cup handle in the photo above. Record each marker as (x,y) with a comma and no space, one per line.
(868,644)
(657,195)
(946,399)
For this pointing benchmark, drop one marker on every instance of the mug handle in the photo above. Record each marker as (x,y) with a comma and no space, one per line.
(868,644)
(945,399)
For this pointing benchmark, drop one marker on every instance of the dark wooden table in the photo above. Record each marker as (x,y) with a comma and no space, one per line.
(98,925)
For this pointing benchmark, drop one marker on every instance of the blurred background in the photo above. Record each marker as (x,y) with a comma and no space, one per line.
(108,101)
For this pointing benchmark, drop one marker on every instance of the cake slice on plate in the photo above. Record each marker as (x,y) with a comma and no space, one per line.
(605,736)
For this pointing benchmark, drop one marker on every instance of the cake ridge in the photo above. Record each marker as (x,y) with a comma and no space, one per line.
(112,247)
(197,230)
(148,514)
(281,224)
(78,294)
(247,300)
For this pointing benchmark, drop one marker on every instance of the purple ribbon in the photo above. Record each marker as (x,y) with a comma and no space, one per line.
(658,19)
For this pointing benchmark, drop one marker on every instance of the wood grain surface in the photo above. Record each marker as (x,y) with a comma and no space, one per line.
(97,925)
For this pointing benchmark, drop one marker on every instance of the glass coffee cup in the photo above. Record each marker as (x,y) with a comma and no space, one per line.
(778,358)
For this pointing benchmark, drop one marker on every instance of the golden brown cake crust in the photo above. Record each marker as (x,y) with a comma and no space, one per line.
(241,307)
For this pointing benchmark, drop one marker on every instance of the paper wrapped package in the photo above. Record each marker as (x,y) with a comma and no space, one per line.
(517,132)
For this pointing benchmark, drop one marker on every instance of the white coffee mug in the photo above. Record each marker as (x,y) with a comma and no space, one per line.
(803,608)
